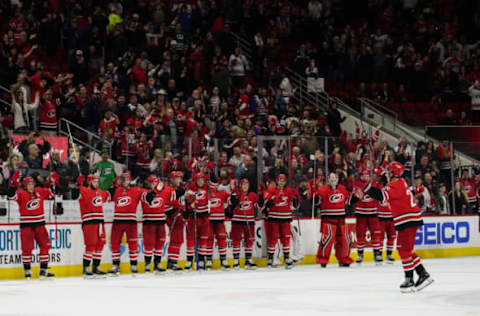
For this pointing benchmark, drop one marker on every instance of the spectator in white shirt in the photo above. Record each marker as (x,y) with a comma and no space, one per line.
(474,92)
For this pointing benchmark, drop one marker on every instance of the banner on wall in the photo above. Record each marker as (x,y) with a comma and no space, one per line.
(59,144)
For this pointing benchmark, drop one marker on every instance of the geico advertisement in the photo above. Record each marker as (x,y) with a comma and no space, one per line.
(448,232)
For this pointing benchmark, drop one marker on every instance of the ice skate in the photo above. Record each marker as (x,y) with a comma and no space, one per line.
(359,258)
(390,259)
(225,265)
(201,265)
(99,274)
(407,286)
(114,271)
(133,269)
(87,273)
(209,265)
(270,263)
(236,264)
(343,265)
(377,257)
(188,266)
(148,268)
(159,270)
(46,275)
(28,274)
(288,263)
(423,281)
(250,265)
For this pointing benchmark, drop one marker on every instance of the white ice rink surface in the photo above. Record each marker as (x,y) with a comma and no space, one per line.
(305,290)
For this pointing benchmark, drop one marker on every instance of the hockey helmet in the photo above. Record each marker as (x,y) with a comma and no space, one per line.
(396,168)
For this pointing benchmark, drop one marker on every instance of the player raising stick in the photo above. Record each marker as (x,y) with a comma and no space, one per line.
(407,218)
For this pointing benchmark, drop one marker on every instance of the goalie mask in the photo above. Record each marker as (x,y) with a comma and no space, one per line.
(332,180)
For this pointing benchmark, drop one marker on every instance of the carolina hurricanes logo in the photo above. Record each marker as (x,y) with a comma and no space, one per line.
(33,204)
(124,201)
(245,205)
(200,195)
(215,202)
(283,201)
(156,202)
(97,201)
(337,197)
(52,113)
(367,199)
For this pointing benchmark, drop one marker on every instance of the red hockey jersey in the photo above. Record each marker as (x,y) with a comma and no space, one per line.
(245,210)
(469,186)
(217,205)
(384,211)
(48,115)
(200,198)
(31,205)
(367,205)
(332,200)
(91,203)
(282,202)
(126,202)
(169,196)
(154,210)
(404,208)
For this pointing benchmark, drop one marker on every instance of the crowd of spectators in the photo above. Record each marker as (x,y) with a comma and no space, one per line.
(165,86)
(388,51)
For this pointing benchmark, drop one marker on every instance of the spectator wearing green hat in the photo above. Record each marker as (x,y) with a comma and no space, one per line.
(107,171)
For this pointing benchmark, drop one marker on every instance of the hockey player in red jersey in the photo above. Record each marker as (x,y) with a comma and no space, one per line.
(126,199)
(243,207)
(366,219)
(469,187)
(332,198)
(174,207)
(30,202)
(279,203)
(218,199)
(387,229)
(91,200)
(198,223)
(407,218)
(153,206)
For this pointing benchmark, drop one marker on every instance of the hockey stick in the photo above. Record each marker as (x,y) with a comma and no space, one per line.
(55,210)
(74,148)
(314,186)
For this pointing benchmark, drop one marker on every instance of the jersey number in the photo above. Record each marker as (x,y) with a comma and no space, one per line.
(413,203)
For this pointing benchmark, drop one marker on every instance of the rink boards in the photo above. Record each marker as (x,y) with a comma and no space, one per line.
(441,236)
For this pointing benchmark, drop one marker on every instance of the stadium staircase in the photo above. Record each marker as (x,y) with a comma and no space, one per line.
(371,113)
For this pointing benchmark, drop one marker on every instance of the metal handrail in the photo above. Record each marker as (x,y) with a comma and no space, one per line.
(89,134)
(384,108)
(5,89)
(5,102)
(245,45)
